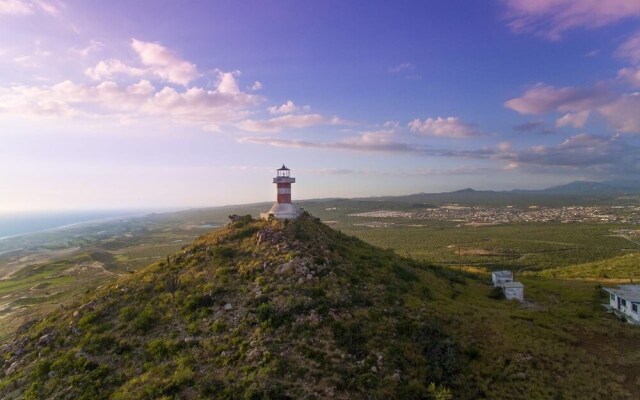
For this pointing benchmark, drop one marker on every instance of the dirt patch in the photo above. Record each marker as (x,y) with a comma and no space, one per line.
(94,267)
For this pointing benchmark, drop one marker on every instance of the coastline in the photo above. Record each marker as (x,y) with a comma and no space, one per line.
(79,223)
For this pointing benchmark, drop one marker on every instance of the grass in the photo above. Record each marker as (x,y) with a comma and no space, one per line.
(625,267)
(514,246)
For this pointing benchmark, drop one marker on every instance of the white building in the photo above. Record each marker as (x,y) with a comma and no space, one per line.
(624,302)
(501,277)
(513,291)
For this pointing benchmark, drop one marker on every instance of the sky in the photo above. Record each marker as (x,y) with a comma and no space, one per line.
(155,104)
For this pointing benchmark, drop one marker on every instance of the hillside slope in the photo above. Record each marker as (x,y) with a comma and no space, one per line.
(257,309)
(268,309)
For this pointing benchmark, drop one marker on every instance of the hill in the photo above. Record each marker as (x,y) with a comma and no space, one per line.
(254,310)
(269,309)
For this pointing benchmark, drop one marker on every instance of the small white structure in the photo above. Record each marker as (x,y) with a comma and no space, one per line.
(499,278)
(513,291)
(283,208)
(624,302)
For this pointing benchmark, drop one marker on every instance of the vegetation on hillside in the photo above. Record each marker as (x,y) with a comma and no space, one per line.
(273,309)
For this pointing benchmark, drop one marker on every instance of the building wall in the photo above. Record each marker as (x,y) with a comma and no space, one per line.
(284,193)
(626,310)
(514,294)
(500,281)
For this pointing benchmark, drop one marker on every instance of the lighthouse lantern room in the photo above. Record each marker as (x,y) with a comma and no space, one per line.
(283,208)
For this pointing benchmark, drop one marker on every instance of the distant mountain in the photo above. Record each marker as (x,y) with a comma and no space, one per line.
(591,187)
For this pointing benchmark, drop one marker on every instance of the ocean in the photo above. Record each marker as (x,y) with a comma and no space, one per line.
(22,223)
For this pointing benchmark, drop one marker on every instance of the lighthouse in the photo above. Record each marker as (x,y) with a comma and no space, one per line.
(283,209)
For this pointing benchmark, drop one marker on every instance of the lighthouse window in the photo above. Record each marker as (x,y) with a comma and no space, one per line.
(284,190)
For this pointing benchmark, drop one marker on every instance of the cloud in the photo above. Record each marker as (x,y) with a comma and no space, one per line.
(15,7)
(288,121)
(577,120)
(631,75)
(630,49)
(443,127)
(288,107)
(401,68)
(336,171)
(256,86)
(94,45)
(28,7)
(140,100)
(583,151)
(552,18)
(622,111)
(541,99)
(164,63)
(590,153)
(110,68)
(156,61)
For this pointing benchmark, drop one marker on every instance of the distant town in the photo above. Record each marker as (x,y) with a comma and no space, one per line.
(510,214)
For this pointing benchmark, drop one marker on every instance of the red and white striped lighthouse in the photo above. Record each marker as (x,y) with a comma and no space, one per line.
(283,180)
(283,208)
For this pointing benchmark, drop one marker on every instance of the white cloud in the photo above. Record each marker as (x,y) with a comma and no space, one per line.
(15,7)
(140,100)
(631,75)
(48,7)
(256,86)
(93,46)
(27,7)
(164,63)
(401,68)
(157,61)
(443,127)
(542,98)
(227,83)
(288,121)
(577,120)
(579,152)
(288,107)
(622,111)
(551,18)
(109,68)
(630,49)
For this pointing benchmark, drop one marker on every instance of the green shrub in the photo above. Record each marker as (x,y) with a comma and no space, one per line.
(146,319)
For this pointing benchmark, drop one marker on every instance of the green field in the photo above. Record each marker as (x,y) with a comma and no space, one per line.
(517,247)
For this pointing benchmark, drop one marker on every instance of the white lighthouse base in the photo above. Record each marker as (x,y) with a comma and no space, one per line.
(282,211)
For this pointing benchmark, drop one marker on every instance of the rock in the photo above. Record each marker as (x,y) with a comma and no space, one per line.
(285,268)
(12,368)
(228,306)
(396,376)
(309,276)
(254,355)
(374,369)
(46,339)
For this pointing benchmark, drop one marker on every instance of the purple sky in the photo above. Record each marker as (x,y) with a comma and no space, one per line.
(112,104)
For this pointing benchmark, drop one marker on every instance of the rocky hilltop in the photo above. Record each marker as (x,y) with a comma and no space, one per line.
(258,309)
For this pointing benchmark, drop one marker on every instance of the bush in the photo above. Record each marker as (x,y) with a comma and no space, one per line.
(145,320)
(496,293)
